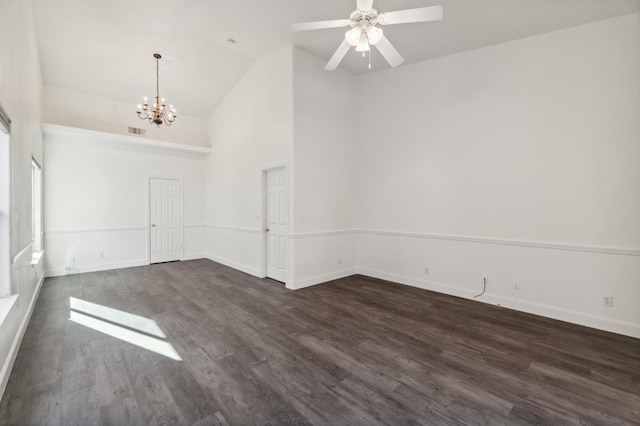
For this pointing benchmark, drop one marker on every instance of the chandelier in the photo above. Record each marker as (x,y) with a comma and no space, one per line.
(158,112)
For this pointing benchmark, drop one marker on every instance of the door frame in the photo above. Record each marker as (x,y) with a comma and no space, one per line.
(263,221)
(181,180)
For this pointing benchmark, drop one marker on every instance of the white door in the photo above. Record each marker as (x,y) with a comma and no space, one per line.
(277,226)
(165,220)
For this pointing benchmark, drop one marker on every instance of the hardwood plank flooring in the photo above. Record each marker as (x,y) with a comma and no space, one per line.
(356,351)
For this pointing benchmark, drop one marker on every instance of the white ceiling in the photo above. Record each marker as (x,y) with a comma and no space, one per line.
(105,48)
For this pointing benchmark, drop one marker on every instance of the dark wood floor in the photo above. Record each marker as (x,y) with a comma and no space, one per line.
(353,351)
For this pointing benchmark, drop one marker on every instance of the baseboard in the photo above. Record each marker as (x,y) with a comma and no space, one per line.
(194,256)
(321,279)
(15,346)
(414,282)
(235,265)
(548,311)
(575,317)
(118,265)
(96,267)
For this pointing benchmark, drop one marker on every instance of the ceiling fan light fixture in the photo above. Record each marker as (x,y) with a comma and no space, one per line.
(374,34)
(363,44)
(365,33)
(353,36)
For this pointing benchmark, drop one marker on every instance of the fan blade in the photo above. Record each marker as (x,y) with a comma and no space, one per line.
(320,25)
(421,14)
(337,56)
(389,52)
(365,5)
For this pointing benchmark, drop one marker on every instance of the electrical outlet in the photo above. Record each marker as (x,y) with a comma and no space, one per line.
(516,284)
(607,300)
(101,255)
(485,276)
(339,261)
(302,219)
(427,271)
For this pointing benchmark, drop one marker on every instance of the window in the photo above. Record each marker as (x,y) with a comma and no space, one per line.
(5,196)
(36,206)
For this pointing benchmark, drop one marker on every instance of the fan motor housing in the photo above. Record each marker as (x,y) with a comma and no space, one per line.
(363,19)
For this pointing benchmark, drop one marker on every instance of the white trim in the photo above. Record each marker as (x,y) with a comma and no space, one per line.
(56,129)
(470,239)
(548,311)
(235,265)
(194,256)
(87,230)
(576,317)
(521,243)
(36,258)
(321,279)
(5,120)
(234,228)
(195,225)
(317,234)
(13,352)
(419,283)
(22,253)
(6,304)
(97,267)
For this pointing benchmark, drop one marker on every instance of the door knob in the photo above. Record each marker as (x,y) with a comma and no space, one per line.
(153,225)
(266,229)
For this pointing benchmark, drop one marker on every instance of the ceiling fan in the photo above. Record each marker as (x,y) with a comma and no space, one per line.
(364,31)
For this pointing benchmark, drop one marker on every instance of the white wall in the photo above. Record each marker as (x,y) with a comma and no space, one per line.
(519,160)
(251,130)
(80,110)
(21,96)
(96,200)
(324,156)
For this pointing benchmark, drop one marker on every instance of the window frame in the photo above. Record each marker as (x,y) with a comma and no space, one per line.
(6,288)
(36,207)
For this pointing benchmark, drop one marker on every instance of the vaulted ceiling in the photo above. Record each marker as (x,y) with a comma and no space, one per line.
(105,48)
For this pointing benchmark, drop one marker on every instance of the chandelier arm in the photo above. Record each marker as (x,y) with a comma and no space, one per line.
(167,119)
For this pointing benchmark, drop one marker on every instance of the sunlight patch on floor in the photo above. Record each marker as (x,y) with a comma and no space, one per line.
(145,325)
(123,326)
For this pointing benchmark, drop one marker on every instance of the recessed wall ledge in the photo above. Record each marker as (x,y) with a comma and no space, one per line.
(36,258)
(56,129)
